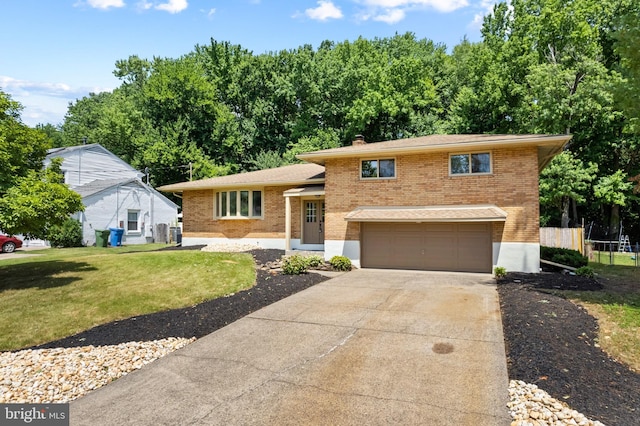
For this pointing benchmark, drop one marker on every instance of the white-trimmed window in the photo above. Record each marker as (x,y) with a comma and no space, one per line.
(133,221)
(470,164)
(379,168)
(244,203)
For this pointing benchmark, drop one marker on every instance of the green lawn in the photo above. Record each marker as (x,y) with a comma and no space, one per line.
(61,292)
(615,258)
(617,308)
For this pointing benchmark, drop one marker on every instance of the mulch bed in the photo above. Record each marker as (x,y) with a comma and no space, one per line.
(199,320)
(551,342)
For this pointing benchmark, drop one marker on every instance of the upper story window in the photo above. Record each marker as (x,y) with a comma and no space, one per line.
(467,164)
(239,204)
(383,168)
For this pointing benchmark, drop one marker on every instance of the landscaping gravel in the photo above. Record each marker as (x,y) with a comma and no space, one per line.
(63,374)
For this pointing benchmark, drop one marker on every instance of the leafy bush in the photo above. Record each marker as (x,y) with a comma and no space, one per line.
(340,263)
(69,234)
(585,271)
(294,265)
(567,257)
(314,261)
(500,272)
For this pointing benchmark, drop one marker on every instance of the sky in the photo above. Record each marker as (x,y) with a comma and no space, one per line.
(55,52)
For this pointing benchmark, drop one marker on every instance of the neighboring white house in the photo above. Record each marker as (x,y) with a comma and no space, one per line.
(114,196)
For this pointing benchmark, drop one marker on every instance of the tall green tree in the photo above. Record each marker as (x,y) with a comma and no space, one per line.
(613,191)
(627,40)
(32,199)
(38,201)
(22,149)
(566,178)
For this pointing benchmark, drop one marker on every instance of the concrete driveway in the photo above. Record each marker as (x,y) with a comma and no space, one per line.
(368,347)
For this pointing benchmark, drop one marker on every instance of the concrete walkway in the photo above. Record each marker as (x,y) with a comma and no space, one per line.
(368,347)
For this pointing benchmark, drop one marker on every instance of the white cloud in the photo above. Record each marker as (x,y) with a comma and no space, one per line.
(211,13)
(26,88)
(173,6)
(485,8)
(44,102)
(439,5)
(105,4)
(144,5)
(391,16)
(393,11)
(325,10)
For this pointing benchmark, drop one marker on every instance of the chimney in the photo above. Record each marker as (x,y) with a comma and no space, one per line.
(359,140)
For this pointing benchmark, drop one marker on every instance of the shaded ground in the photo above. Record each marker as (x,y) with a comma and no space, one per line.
(552,342)
(199,320)
(549,341)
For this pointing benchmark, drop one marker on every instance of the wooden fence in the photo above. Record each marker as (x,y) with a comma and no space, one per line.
(569,238)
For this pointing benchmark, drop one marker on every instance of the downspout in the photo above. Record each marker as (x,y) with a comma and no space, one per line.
(153,239)
(80,168)
(118,205)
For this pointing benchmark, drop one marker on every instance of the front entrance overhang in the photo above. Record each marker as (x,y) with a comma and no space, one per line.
(306,191)
(475,213)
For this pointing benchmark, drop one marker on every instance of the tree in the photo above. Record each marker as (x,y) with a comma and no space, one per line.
(54,133)
(37,202)
(613,190)
(266,160)
(627,40)
(565,179)
(32,199)
(321,139)
(22,148)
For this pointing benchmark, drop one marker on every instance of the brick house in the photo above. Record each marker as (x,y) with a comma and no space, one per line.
(440,202)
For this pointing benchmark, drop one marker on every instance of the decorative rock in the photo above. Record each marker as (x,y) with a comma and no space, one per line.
(64,374)
(530,405)
(228,248)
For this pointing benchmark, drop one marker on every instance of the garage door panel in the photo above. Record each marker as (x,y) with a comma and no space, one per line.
(429,246)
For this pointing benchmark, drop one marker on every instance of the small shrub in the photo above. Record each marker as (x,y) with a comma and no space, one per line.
(585,271)
(340,263)
(567,257)
(69,234)
(314,261)
(294,265)
(500,272)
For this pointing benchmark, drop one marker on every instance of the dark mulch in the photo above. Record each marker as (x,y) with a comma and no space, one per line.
(551,342)
(199,320)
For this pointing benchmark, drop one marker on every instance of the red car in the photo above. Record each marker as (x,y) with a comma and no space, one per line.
(9,244)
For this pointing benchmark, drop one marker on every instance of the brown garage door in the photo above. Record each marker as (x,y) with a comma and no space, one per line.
(462,247)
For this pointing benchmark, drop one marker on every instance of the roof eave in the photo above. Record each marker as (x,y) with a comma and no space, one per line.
(319,157)
(181,188)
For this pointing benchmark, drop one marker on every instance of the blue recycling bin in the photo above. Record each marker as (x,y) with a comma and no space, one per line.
(116,236)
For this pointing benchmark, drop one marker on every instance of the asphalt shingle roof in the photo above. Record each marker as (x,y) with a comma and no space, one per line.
(551,143)
(96,186)
(295,174)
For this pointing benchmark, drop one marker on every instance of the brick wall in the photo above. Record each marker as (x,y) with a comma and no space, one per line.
(199,221)
(423,180)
